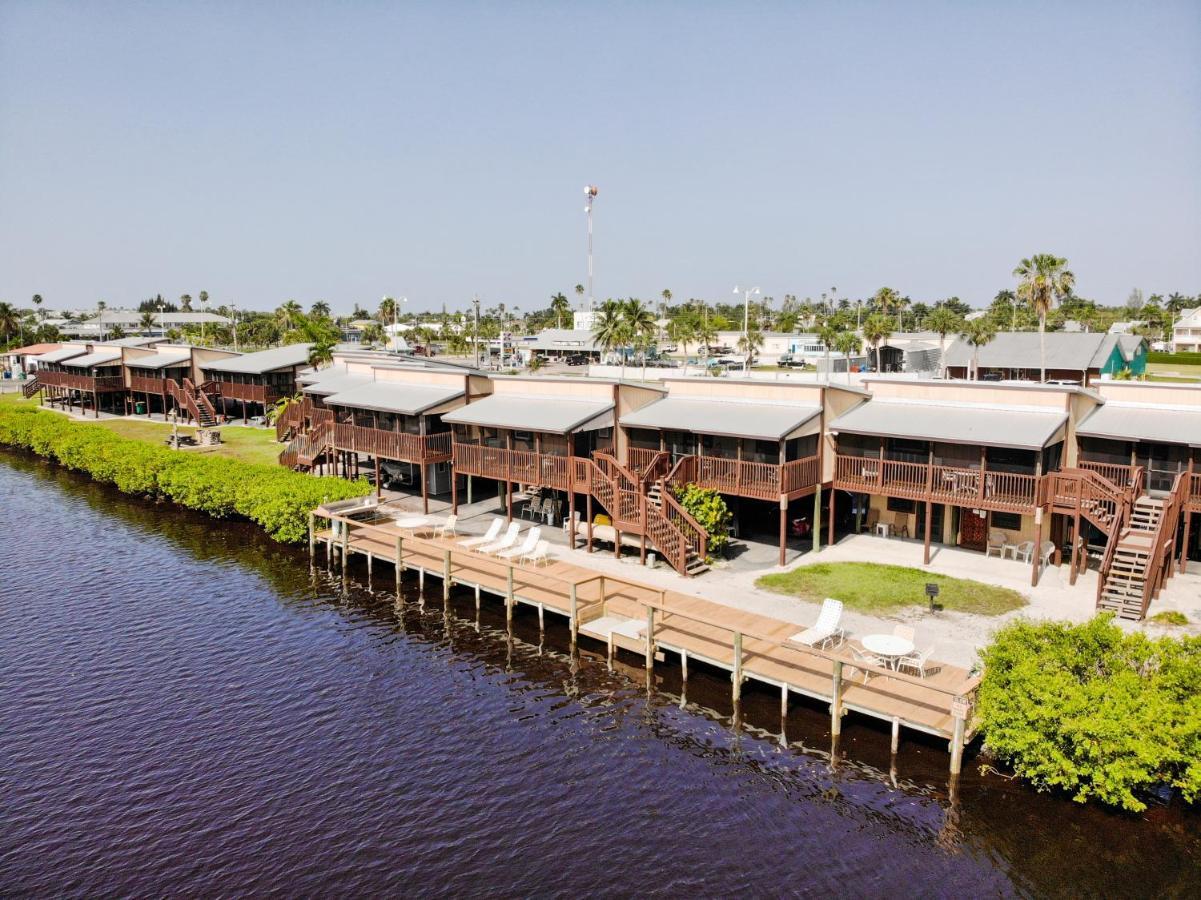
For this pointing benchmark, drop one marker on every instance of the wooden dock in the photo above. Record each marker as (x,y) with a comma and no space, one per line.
(621,612)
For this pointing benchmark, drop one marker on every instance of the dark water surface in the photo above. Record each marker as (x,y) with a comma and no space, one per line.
(186,707)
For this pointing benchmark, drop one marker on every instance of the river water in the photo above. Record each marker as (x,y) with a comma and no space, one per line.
(187,707)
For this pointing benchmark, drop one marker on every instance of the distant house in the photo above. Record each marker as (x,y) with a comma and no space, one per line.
(562,342)
(1186,334)
(1076,358)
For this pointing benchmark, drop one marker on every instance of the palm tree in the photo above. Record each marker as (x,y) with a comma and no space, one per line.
(10,321)
(976,334)
(943,321)
(611,330)
(41,313)
(147,322)
(682,330)
(204,302)
(387,311)
(886,300)
(706,333)
(1043,279)
(321,351)
(288,313)
(319,310)
(560,306)
(185,302)
(579,291)
(748,343)
(827,334)
(846,343)
(373,334)
(101,306)
(877,328)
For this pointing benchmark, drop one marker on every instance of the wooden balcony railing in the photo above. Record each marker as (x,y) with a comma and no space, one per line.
(395,445)
(145,384)
(638,458)
(524,466)
(765,481)
(962,486)
(1193,497)
(251,393)
(96,384)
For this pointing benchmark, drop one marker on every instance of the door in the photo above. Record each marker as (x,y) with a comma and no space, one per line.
(973,530)
(936,515)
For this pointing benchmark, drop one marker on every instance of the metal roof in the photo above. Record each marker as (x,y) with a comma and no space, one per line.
(161,360)
(324,383)
(1074,351)
(1144,422)
(534,413)
(394,397)
(735,418)
(62,353)
(994,426)
(97,358)
(566,340)
(262,361)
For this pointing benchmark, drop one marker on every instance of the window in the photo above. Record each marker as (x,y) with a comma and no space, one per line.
(901,505)
(1007,521)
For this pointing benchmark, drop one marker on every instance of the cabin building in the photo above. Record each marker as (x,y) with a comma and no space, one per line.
(251,383)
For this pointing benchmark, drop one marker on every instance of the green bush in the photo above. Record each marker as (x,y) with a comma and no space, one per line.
(1093,710)
(275,498)
(1180,359)
(710,511)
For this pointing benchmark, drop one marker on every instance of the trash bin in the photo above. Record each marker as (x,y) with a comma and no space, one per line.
(139,408)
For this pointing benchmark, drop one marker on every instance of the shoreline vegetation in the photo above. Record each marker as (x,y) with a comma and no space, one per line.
(276,499)
(1085,709)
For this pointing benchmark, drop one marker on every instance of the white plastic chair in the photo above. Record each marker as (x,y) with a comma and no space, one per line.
(507,540)
(826,629)
(1045,552)
(531,541)
(863,656)
(997,541)
(533,508)
(447,527)
(916,661)
(487,537)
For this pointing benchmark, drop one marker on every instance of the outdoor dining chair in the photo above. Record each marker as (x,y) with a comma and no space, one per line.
(916,662)
(865,657)
(448,527)
(533,508)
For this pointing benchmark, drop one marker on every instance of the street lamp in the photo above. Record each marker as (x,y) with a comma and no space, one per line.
(590,192)
(746,320)
(475,337)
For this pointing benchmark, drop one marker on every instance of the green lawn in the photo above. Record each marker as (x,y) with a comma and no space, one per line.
(254,445)
(874,588)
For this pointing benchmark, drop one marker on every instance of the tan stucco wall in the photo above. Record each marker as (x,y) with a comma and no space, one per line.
(1150,392)
(950,537)
(202,355)
(836,402)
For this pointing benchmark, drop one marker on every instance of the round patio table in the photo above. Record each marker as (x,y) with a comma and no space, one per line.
(412,522)
(888,646)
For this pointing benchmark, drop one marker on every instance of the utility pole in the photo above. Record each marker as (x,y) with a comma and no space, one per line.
(590,192)
(746,321)
(475,339)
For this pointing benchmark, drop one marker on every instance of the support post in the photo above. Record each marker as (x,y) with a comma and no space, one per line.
(454,491)
(345,542)
(783,701)
(817,518)
(575,619)
(830,538)
(1075,544)
(399,562)
(312,533)
(929,518)
(446,575)
(737,674)
(896,734)
(379,487)
(1038,546)
(588,502)
(836,701)
(783,528)
(509,599)
(957,746)
(650,639)
(425,492)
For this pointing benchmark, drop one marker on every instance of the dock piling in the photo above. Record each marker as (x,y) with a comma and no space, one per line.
(736,676)
(836,701)
(575,619)
(446,575)
(650,639)
(896,734)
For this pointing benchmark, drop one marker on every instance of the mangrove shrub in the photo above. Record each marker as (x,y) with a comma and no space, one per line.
(1094,711)
(273,497)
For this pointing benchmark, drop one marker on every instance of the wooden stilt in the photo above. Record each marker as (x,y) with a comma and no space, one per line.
(588,513)
(509,599)
(836,701)
(1038,546)
(378,486)
(446,575)
(784,701)
(454,492)
(736,676)
(1188,516)
(783,528)
(1075,545)
(650,639)
(571,519)
(399,563)
(684,665)
(575,618)
(830,539)
(817,518)
(509,500)
(421,581)
(370,567)
(541,620)
(425,492)
(896,735)
(312,534)
(926,546)
(957,747)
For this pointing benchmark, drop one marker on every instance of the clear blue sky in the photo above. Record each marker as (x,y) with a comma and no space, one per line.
(343,151)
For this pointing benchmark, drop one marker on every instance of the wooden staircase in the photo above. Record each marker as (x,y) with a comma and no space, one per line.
(1125,584)
(194,400)
(306,449)
(31,387)
(676,536)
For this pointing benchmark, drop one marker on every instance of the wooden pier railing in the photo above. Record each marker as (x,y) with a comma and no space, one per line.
(748,645)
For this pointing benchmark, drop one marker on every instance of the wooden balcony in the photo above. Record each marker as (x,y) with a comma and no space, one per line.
(522,466)
(1127,477)
(144,384)
(93,384)
(975,487)
(251,393)
(1193,498)
(413,448)
(759,480)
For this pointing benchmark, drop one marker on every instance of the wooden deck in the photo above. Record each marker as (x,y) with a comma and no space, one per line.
(619,610)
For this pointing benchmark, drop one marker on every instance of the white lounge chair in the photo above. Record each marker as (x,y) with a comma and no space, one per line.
(487,537)
(916,662)
(447,527)
(505,541)
(826,629)
(540,555)
(527,546)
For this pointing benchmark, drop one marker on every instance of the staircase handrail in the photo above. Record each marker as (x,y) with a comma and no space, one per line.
(183,397)
(696,534)
(661,460)
(633,482)
(31,387)
(683,470)
(1163,543)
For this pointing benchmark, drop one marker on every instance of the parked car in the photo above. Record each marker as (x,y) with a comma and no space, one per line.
(788,361)
(577,359)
